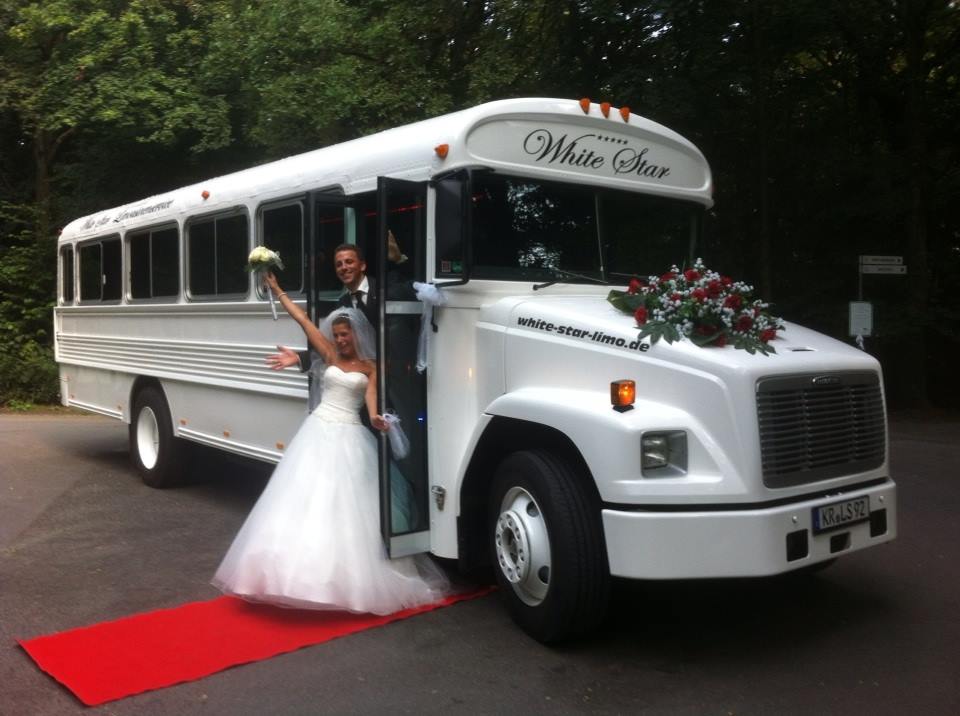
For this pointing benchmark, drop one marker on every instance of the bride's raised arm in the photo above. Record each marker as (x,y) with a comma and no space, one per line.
(316,339)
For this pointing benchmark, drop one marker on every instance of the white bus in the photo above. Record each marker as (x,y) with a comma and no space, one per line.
(524,211)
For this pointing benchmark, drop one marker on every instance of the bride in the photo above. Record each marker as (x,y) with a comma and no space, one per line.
(313,540)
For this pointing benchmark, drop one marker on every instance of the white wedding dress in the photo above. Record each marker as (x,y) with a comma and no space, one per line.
(313,538)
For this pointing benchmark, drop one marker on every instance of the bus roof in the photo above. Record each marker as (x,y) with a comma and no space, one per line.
(538,137)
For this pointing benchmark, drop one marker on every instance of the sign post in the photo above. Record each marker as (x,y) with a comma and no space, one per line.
(861,312)
(881,265)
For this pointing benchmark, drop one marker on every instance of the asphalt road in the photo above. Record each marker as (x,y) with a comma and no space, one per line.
(82,541)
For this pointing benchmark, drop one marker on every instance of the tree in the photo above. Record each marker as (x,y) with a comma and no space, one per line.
(122,68)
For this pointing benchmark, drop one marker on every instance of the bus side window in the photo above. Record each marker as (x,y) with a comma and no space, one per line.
(112,270)
(282,229)
(91,281)
(154,258)
(66,275)
(101,267)
(216,255)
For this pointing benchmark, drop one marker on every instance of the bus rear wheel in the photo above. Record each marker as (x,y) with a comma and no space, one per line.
(154,450)
(548,549)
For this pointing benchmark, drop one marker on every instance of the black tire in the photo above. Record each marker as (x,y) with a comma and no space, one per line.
(540,509)
(155,452)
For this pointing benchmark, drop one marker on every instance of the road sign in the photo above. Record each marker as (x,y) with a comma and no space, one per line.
(881,260)
(861,318)
(889,270)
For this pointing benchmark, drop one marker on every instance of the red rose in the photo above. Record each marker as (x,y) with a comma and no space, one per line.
(640,315)
(720,341)
(668,276)
(691,275)
(714,289)
(634,286)
(698,295)
(768,334)
(704,329)
(733,301)
(726,280)
(744,323)
(676,297)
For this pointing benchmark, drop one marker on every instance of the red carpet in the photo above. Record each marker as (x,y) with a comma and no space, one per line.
(148,651)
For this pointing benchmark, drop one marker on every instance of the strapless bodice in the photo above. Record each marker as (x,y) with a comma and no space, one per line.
(342,395)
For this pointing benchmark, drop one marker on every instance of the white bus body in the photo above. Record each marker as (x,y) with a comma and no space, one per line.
(526,464)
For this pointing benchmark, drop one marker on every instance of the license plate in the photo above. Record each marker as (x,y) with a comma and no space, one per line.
(841,514)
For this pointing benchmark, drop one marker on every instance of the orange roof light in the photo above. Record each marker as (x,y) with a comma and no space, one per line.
(625,113)
(585,105)
(605,108)
(623,393)
(442,150)
(205,194)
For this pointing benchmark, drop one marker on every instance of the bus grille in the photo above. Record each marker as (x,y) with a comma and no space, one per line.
(815,427)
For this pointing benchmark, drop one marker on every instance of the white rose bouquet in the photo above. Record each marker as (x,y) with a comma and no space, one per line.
(261,260)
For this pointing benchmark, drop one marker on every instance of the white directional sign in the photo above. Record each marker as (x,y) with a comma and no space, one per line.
(881,260)
(890,270)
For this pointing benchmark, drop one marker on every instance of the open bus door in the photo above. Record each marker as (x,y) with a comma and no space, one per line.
(404,482)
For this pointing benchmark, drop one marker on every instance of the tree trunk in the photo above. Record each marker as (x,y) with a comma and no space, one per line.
(760,88)
(42,161)
(914,20)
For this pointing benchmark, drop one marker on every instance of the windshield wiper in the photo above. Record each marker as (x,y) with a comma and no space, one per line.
(562,274)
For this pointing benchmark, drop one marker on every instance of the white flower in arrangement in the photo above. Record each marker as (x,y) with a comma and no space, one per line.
(262,259)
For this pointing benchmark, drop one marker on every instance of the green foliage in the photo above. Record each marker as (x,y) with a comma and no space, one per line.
(124,67)
(27,370)
(28,375)
(19,406)
(26,281)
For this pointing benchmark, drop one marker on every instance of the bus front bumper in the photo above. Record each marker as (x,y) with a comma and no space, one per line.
(686,543)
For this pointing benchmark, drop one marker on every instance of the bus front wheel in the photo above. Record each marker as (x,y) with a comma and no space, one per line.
(154,449)
(548,549)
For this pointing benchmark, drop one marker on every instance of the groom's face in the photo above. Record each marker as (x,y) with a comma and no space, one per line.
(350,269)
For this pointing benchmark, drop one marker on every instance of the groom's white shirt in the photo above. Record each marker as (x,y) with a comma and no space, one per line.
(363,288)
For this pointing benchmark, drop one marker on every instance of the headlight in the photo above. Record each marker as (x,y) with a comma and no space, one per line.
(663,454)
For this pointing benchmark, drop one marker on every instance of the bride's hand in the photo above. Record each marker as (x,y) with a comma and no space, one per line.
(271,282)
(284,359)
(379,423)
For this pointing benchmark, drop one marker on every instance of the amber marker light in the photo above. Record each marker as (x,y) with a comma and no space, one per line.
(585,105)
(205,194)
(442,150)
(622,394)
(605,108)
(625,113)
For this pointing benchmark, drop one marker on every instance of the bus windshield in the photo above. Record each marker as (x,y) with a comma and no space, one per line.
(529,229)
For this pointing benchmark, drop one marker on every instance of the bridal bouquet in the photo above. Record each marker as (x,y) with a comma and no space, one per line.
(700,305)
(261,260)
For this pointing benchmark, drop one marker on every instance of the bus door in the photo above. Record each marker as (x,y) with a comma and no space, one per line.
(400,259)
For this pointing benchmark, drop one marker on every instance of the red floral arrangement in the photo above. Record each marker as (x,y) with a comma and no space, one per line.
(702,305)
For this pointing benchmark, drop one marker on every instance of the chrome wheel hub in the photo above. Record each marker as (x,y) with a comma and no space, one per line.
(523,546)
(148,438)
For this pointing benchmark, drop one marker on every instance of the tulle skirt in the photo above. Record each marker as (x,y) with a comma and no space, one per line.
(313,538)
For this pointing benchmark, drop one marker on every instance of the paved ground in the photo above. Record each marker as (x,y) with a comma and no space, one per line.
(82,540)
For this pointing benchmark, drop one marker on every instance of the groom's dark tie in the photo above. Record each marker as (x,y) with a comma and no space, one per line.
(358,299)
